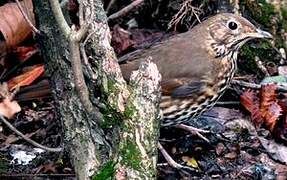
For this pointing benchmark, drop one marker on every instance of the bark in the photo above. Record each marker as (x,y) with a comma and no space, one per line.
(138,146)
(92,151)
(83,138)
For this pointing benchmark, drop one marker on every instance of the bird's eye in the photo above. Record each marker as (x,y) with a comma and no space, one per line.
(232,25)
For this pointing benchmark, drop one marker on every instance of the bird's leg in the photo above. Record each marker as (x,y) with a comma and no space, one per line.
(167,157)
(194,130)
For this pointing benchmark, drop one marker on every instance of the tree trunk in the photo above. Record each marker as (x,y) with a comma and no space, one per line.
(99,142)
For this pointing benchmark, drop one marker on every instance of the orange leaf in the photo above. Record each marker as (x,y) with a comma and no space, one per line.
(13,25)
(268,97)
(27,78)
(272,115)
(251,103)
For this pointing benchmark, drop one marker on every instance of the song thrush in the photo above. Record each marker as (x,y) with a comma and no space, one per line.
(196,66)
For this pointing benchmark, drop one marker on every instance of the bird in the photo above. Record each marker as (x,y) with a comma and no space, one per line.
(196,66)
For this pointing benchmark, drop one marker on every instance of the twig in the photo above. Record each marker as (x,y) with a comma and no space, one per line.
(86,62)
(27,18)
(79,79)
(110,5)
(167,157)
(261,66)
(125,10)
(185,10)
(256,86)
(58,14)
(194,130)
(227,103)
(10,126)
(81,13)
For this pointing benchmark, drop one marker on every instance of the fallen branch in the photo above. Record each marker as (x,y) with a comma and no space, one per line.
(125,10)
(34,143)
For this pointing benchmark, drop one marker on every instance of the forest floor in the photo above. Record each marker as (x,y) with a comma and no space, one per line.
(239,145)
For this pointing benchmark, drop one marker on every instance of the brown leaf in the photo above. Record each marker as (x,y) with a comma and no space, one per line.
(219,148)
(47,168)
(121,39)
(27,78)
(24,53)
(268,97)
(13,25)
(251,103)
(9,108)
(11,139)
(231,155)
(272,115)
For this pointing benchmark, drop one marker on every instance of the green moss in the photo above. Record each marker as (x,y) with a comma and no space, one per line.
(111,86)
(131,155)
(107,172)
(283,21)
(247,64)
(110,117)
(261,11)
(279,42)
(129,111)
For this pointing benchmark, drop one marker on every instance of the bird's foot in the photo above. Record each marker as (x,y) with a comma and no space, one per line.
(194,130)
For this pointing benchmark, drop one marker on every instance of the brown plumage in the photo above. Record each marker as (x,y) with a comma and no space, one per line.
(196,66)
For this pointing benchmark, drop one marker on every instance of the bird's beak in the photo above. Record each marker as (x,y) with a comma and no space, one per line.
(262,34)
(258,33)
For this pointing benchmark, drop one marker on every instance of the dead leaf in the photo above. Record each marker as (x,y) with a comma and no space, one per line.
(121,39)
(272,115)
(251,102)
(13,25)
(267,98)
(231,155)
(24,53)
(9,108)
(219,148)
(46,168)
(275,150)
(27,78)
(11,139)
(190,161)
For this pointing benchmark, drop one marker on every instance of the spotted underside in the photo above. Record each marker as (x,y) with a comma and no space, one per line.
(179,110)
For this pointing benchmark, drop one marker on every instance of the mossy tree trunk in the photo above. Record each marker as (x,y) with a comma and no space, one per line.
(99,140)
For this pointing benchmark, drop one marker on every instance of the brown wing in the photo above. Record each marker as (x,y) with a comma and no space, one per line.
(182,62)
(181,87)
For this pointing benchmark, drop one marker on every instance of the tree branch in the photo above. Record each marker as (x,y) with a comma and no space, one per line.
(58,14)
(125,10)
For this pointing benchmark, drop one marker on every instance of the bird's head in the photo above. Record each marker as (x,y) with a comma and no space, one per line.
(228,32)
